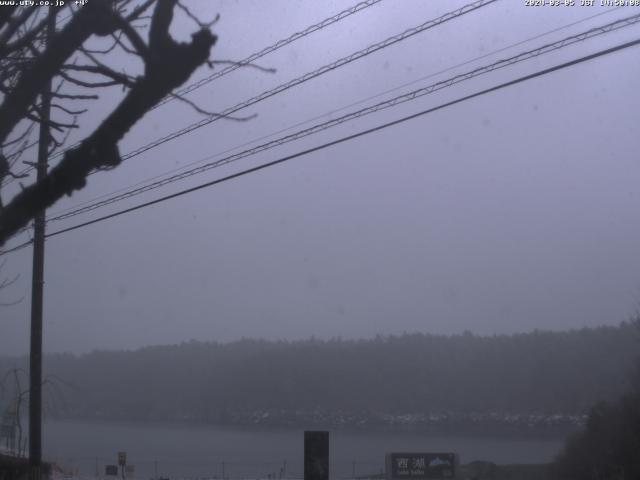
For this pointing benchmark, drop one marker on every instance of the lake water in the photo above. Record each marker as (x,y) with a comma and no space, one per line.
(185,451)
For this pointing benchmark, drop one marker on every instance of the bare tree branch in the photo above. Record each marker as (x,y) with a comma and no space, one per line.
(242,64)
(167,65)
(26,39)
(117,78)
(208,113)
(96,17)
(85,84)
(5,283)
(68,111)
(75,97)
(140,48)
(198,22)
(139,10)
(13,24)
(5,14)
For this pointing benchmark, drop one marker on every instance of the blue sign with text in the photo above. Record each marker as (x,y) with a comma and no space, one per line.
(418,466)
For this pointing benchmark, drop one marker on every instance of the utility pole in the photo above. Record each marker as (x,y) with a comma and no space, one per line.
(35,357)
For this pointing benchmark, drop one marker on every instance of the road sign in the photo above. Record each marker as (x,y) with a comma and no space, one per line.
(420,466)
(111,470)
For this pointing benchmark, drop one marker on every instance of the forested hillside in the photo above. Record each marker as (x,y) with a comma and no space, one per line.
(413,378)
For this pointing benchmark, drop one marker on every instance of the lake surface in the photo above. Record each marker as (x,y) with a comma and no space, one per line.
(186,451)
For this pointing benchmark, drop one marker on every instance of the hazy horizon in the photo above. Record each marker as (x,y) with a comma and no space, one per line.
(321,339)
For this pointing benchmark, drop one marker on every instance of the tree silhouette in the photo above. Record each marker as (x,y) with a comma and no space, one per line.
(29,63)
(5,283)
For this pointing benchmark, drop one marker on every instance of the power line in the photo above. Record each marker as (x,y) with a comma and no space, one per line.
(495,88)
(16,248)
(248,60)
(311,75)
(338,63)
(516,81)
(413,95)
(272,48)
(314,74)
(305,78)
(394,89)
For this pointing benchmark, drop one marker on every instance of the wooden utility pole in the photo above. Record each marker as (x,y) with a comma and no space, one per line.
(37,284)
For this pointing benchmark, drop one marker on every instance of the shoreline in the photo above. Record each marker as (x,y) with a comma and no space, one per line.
(461,429)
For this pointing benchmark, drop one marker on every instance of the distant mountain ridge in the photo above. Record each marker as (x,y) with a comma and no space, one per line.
(548,376)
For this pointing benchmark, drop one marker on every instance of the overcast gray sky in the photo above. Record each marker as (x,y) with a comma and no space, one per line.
(509,212)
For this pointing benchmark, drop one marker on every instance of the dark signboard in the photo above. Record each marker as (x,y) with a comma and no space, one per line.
(416,466)
(111,470)
(316,455)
